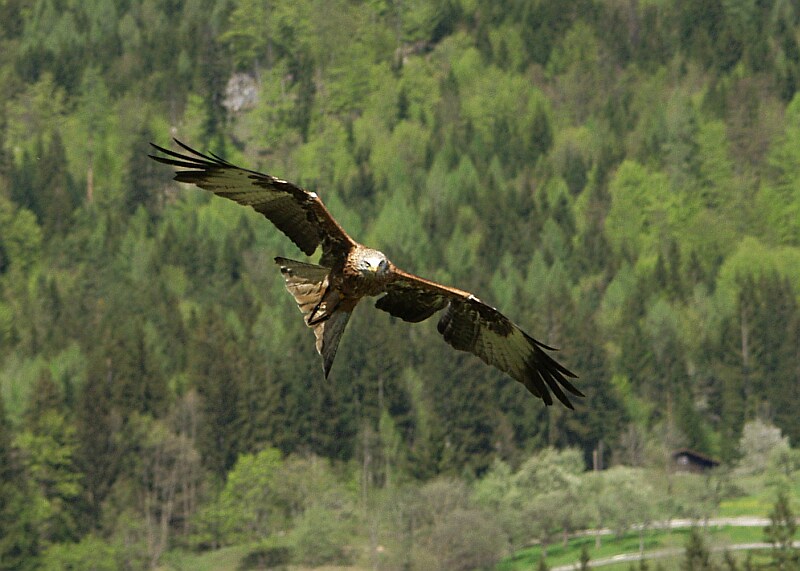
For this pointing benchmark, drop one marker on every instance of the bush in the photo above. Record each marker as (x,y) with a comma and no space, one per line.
(321,537)
(267,557)
(759,441)
(464,540)
(90,553)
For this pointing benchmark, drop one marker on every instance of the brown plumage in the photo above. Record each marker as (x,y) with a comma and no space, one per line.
(327,293)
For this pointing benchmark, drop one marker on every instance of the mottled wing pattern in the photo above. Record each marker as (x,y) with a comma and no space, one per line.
(411,303)
(299,214)
(468,324)
(471,325)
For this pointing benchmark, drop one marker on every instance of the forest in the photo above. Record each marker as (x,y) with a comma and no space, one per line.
(620,177)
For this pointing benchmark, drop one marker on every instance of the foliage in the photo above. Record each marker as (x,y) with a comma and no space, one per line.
(620,178)
(451,532)
(247,500)
(759,442)
(90,553)
(697,556)
(268,556)
(781,532)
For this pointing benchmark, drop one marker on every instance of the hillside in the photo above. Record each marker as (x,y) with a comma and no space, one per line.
(621,178)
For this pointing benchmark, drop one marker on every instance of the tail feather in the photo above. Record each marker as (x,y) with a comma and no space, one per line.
(308,284)
(328,334)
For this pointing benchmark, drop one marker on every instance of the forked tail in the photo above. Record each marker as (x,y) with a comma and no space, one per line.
(308,284)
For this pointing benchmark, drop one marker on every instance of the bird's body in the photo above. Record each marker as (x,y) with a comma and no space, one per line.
(328,292)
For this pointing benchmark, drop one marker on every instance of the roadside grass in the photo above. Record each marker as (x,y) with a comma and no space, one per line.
(758,501)
(746,506)
(528,558)
(759,560)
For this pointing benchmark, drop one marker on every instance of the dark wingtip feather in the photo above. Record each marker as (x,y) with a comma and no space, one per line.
(553,381)
(550,373)
(189,149)
(570,387)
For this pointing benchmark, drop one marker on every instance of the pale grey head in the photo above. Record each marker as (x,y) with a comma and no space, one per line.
(372,263)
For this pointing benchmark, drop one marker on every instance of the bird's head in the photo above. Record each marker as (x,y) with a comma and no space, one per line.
(373,263)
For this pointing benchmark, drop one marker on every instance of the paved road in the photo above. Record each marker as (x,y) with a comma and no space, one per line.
(741,521)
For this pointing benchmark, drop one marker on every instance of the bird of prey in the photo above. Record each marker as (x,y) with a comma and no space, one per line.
(327,293)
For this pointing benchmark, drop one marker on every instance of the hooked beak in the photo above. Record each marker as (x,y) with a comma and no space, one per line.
(376,266)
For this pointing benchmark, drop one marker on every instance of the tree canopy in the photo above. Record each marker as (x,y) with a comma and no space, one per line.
(621,178)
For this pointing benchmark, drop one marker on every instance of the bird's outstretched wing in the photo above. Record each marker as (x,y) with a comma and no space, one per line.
(470,325)
(298,213)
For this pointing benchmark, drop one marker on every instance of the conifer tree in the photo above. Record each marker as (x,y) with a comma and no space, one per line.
(97,424)
(542,565)
(19,543)
(730,562)
(47,447)
(584,558)
(697,556)
(138,384)
(467,418)
(54,187)
(144,179)
(215,364)
(601,415)
(781,533)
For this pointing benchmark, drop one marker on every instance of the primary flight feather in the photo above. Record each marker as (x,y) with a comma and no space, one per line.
(327,293)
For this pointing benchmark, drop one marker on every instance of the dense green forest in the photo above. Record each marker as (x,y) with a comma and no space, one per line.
(619,177)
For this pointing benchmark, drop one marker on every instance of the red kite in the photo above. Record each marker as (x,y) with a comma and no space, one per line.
(328,292)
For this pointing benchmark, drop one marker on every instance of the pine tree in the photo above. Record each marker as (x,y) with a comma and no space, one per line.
(138,383)
(584,558)
(697,556)
(592,247)
(770,328)
(675,284)
(45,397)
(22,178)
(729,375)
(47,446)
(468,419)
(601,415)
(97,424)
(332,430)
(144,177)
(730,562)
(55,188)
(780,533)
(19,543)
(214,361)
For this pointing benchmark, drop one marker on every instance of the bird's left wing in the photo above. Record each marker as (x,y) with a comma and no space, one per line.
(468,324)
(298,213)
